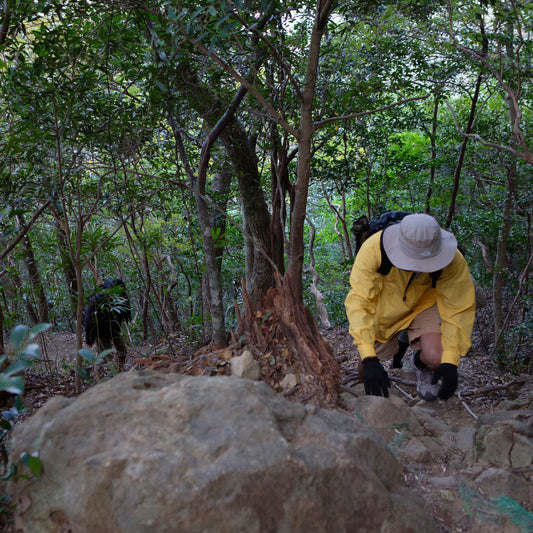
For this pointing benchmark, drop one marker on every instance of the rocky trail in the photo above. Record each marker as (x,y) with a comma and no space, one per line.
(470,458)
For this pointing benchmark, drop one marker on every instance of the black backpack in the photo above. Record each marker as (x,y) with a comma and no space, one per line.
(362,228)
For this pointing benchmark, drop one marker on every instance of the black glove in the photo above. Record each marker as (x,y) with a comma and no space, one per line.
(447,373)
(397,359)
(375,377)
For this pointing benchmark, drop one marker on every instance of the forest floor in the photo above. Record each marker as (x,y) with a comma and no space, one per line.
(483,385)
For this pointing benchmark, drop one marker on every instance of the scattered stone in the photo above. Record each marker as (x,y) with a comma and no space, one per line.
(416,451)
(289,382)
(465,438)
(505,443)
(432,424)
(496,482)
(380,412)
(245,366)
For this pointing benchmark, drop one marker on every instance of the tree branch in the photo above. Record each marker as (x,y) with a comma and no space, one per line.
(320,123)
(25,230)
(526,157)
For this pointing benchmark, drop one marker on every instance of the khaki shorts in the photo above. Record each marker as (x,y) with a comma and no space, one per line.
(427,321)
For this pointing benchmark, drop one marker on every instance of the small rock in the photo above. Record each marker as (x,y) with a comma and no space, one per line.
(500,481)
(245,366)
(415,450)
(289,381)
(380,412)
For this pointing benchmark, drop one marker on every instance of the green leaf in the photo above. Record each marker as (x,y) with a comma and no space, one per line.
(87,355)
(32,462)
(19,405)
(161,86)
(83,373)
(14,385)
(18,334)
(17,366)
(39,328)
(31,351)
(102,355)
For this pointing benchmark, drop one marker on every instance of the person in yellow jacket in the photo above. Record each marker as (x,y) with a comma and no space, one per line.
(411,276)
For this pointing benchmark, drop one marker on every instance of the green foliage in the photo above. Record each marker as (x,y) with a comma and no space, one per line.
(92,99)
(92,359)
(24,355)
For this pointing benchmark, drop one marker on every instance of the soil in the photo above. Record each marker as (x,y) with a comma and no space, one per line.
(483,385)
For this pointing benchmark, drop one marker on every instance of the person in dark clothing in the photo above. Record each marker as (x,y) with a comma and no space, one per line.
(103,316)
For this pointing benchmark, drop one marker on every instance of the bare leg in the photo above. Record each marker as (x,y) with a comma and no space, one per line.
(431,346)
(121,348)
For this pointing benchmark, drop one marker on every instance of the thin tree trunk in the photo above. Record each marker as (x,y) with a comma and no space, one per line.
(315,291)
(280,186)
(255,209)
(500,266)
(17,281)
(68,268)
(35,281)
(433,140)
(143,258)
(2,347)
(468,130)
(299,325)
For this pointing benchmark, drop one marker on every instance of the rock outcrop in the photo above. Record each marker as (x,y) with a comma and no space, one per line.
(151,452)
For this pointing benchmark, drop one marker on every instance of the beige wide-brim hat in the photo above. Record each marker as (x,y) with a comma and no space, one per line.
(419,244)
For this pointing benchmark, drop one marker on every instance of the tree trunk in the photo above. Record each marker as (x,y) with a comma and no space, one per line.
(2,346)
(18,283)
(255,210)
(280,186)
(243,158)
(143,258)
(35,281)
(468,130)
(500,266)
(462,152)
(68,268)
(314,353)
(433,139)
(315,291)
(221,184)
(299,325)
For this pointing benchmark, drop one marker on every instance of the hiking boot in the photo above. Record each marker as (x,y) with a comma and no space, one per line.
(424,387)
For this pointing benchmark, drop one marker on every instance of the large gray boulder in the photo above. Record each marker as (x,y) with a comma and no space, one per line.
(149,452)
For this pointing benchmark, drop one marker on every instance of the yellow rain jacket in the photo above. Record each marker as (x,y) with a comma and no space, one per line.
(380,306)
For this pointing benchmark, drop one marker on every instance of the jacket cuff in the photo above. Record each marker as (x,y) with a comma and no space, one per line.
(450,357)
(366,350)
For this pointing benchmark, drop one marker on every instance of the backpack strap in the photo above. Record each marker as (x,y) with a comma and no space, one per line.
(435,276)
(386,264)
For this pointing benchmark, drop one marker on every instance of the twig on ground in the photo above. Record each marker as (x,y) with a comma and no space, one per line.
(468,410)
(349,390)
(403,392)
(350,377)
(493,388)
(402,381)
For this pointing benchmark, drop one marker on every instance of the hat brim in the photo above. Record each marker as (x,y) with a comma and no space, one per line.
(391,244)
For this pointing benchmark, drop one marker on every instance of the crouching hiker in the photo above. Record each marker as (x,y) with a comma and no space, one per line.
(103,317)
(411,276)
